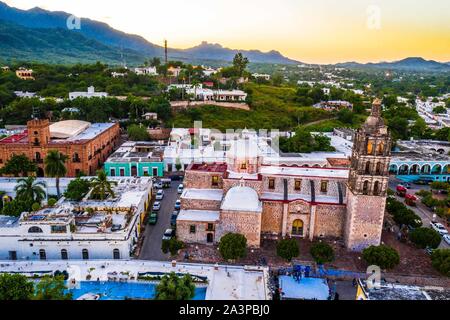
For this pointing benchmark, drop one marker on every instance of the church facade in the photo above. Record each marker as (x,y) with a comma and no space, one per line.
(267,201)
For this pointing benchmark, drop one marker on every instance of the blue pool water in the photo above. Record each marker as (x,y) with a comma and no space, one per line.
(123,290)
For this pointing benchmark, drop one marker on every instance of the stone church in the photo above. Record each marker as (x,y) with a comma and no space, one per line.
(262,200)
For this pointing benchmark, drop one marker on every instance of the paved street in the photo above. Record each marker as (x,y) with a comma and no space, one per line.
(151,249)
(421,210)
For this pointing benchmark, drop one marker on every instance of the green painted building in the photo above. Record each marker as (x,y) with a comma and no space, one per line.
(136,159)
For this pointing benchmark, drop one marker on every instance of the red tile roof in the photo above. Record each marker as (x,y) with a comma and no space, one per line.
(15,138)
(208,167)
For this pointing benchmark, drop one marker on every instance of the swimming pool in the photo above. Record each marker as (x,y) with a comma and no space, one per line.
(123,290)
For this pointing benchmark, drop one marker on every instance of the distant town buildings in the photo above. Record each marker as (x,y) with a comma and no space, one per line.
(118,74)
(24,74)
(202,94)
(261,76)
(146,71)
(334,105)
(174,71)
(21,94)
(86,145)
(89,94)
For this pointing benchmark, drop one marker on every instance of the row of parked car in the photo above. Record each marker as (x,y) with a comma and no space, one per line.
(153,218)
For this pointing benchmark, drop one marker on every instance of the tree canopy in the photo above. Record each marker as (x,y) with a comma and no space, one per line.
(175,288)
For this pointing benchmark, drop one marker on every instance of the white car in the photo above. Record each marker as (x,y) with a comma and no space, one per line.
(439,228)
(447,239)
(160,195)
(168,234)
(180,189)
(156,206)
(157,184)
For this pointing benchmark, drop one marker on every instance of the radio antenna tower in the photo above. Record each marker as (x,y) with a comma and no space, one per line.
(165,52)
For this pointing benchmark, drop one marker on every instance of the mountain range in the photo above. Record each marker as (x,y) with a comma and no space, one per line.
(408,64)
(99,35)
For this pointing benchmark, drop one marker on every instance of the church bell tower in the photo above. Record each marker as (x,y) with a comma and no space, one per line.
(368,183)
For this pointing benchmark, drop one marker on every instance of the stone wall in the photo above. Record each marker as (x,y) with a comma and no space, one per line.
(245,223)
(364,221)
(200,236)
(197,204)
(202,180)
(231,183)
(330,220)
(272,217)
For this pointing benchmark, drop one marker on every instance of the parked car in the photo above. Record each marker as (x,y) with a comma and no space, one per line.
(153,218)
(173,218)
(176,178)
(158,184)
(447,239)
(166,183)
(438,227)
(160,195)
(157,206)
(168,234)
(178,205)
(180,189)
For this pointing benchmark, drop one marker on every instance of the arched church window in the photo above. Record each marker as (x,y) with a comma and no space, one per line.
(376,189)
(367,170)
(380,148)
(378,168)
(366,188)
(369,147)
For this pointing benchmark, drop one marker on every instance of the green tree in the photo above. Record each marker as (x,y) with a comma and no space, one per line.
(138,133)
(28,189)
(16,207)
(77,189)
(175,288)
(441,261)
(173,246)
(322,252)
(240,63)
(346,116)
(15,287)
(18,165)
(383,256)
(52,288)
(425,238)
(55,167)
(288,249)
(233,246)
(101,186)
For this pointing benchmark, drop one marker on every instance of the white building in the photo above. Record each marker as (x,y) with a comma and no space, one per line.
(90,229)
(202,94)
(118,74)
(208,72)
(26,94)
(146,71)
(261,76)
(89,94)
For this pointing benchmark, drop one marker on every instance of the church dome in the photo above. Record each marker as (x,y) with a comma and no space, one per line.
(242,199)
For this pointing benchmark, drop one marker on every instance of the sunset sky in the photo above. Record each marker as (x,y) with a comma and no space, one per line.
(312,31)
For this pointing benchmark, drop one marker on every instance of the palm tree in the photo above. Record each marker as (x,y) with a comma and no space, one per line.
(101,185)
(55,167)
(29,190)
